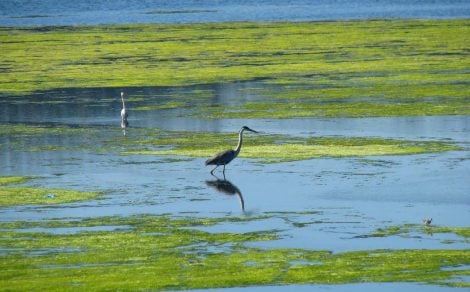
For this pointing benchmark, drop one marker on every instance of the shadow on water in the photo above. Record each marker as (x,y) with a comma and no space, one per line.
(225,187)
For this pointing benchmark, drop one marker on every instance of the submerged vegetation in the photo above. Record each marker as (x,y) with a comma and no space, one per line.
(315,69)
(319,69)
(413,228)
(159,253)
(343,109)
(264,148)
(10,196)
(7,180)
(279,148)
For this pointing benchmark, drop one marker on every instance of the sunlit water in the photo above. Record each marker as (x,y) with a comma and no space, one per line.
(98,107)
(384,287)
(49,12)
(351,197)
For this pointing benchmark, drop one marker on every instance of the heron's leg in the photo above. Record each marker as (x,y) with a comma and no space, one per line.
(223,171)
(212,171)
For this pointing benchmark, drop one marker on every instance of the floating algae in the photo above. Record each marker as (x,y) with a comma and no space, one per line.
(328,69)
(161,253)
(10,196)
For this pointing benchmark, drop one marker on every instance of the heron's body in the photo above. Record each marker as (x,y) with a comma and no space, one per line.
(225,157)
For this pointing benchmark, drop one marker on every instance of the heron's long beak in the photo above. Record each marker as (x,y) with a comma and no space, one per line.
(251,130)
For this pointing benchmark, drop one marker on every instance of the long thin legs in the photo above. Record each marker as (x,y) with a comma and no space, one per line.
(223,171)
(212,171)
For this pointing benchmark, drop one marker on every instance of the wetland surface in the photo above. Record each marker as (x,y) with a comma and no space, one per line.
(359,143)
(48,12)
(276,222)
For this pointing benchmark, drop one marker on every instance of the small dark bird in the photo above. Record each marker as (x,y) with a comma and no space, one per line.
(224,157)
(427,221)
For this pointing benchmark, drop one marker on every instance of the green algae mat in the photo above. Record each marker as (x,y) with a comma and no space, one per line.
(159,253)
(323,69)
(316,69)
(15,195)
(282,148)
(264,148)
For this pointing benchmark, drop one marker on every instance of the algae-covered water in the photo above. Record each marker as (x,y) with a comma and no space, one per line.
(341,205)
(19,13)
(364,133)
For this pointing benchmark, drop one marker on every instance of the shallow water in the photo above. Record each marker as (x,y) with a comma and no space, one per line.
(97,107)
(385,287)
(23,12)
(414,186)
(319,204)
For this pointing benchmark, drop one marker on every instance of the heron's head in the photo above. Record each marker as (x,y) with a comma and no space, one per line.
(248,129)
(122,93)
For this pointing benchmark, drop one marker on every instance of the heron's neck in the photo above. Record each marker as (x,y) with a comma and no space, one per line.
(240,141)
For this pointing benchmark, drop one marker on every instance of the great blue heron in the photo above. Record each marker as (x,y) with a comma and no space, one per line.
(226,187)
(124,113)
(224,157)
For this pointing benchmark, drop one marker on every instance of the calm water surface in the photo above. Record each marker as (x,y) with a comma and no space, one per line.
(95,107)
(350,197)
(50,12)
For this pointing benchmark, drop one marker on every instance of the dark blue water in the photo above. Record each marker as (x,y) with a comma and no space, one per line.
(50,12)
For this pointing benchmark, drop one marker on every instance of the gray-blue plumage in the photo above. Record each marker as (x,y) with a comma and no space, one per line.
(224,157)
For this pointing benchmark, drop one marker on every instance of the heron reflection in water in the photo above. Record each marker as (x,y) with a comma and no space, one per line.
(226,187)
(224,157)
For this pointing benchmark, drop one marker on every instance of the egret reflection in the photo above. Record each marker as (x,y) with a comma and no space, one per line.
(124,125)
(227,188)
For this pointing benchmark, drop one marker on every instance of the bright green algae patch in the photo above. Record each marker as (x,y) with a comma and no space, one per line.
(279,148)
(26,130)
(344,109)
(146,55)
(425,229)
(39,137)
(321,69)
(6,180)
(11,196)
(159,253)
(263,147)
